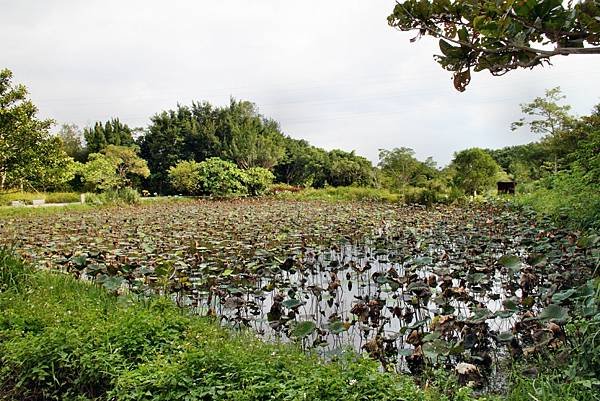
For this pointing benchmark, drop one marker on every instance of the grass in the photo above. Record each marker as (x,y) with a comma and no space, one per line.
(8,211)
(67,339)
(27,197)
(336,194)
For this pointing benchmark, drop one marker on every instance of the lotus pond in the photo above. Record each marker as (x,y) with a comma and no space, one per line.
(458,287)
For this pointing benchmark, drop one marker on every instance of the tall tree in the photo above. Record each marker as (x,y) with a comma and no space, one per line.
(113,132)
(475,170)
(400,168)
(545,116)
(302,164)
(26,147)
(345,168)
(72,139)
(500,36)
(249,139)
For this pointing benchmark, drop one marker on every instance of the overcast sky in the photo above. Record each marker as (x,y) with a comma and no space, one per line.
(331,72)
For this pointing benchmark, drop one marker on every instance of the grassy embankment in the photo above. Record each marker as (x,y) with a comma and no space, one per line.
(66,339)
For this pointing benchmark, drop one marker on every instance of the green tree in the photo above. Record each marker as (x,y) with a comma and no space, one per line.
(500,36)
(302,163)
(221,178)
(185,177)
(99,173)
(54,170)
(346,168)
(546,117)
(475,170)
(114,168)
(524,162)
(248,138)
(71,139)
(400,168)
(113,132)
(236,133)
(28,154)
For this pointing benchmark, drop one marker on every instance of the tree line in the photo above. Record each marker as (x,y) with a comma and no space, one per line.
(234,150)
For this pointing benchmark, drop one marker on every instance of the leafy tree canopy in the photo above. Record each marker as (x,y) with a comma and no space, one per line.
(71,139)
(27,152)
(475,170)
(400,168)
(500,36)
(114,168)
(113,132)
(236,132)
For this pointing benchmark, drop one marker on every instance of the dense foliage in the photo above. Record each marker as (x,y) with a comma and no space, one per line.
(321,275)
(500,36)
(475,170)
(115,167)
(27,152)
(66,339)
(113,132)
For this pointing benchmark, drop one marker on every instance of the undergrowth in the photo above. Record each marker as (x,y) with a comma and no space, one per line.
(335,194)
(27,197)
(71,340)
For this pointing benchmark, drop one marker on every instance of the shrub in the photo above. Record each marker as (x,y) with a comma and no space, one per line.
(258,180)
(566,197)
(217,177)
(28,197)
(185,177)
(126,196)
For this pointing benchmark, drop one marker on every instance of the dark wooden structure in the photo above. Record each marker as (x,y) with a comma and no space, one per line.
(506,187)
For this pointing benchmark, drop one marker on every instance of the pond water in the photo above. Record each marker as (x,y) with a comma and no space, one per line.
(414,288)
(367,299)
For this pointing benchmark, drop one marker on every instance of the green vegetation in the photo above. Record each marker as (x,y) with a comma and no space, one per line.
(27,197)
(217,177)
(112,169)
(120,196)
(62,338)
(337,194)
(475,171)
(560,174)
(501,36)
(65,339)
(28,155)
(113,132)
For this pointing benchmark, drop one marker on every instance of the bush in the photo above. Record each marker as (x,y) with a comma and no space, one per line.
(124,196)
(185,177)
(258,180)
(217,177)
(27,197)
(566,197)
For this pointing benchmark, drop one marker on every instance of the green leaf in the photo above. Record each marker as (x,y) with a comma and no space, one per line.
(292,303)
(554,313)
(336,327)
(511,262)
(303,329)
(563,295)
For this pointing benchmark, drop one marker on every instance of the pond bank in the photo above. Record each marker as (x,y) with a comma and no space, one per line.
(66,339)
